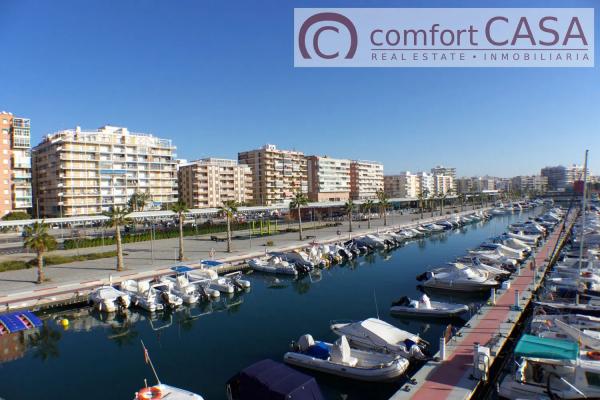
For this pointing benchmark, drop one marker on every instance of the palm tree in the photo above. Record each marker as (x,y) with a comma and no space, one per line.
(367,207)
(349,209)
(39,240)
(442,197)
(297,202)
(180,208)
(138,201)
(432,202)
(118,218)
(422,196)
(461,199)
(384,204)
(228,209)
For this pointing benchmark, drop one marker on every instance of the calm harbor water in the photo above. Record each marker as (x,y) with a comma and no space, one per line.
(199,348)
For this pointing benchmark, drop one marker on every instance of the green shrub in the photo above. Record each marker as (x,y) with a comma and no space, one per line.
(13,265)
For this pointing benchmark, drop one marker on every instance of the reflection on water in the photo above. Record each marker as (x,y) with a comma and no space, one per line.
(201,346)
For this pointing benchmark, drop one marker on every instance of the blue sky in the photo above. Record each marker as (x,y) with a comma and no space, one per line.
(217,77)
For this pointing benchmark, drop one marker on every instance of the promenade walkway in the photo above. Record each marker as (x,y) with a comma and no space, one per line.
(146,259)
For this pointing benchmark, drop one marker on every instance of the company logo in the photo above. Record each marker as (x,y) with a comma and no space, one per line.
(326,17)
(435,37)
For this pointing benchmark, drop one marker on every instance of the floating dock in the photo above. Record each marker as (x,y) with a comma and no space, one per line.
(456,377)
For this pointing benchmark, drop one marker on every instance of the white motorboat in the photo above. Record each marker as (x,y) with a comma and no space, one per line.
(588,338)
(142,294)
(529,239)
(339,359)
(425,308)
(377,335)
(496,273)
(506,251)
(209,280)
(180,286)
(552,367)
(465,279)
(494,256)
(167,297)
(372,241)
(109,299)
(516,244)
(297,258)
(273,265)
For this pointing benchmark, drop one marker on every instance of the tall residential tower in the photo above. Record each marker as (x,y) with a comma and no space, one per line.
(78,172)
(15,174)
(276,174)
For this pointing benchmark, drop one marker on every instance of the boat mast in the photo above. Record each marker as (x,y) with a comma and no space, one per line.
(149,361)
(584,205)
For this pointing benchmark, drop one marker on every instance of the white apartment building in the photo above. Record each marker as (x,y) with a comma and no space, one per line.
(446,171)
(403,185)
(533,183)
(210,182)
(328,178)
(425,184)
(82,172)
(366,179)
(443,184)
(276,174)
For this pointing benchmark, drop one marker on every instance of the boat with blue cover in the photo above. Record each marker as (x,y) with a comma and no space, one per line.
(18,321)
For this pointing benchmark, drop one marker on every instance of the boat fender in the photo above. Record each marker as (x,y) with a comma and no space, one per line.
(150,393)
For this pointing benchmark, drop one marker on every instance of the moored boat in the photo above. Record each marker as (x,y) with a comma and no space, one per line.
(426,308)
(341,360)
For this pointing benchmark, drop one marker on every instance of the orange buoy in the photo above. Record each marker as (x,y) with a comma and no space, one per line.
(150,393)
(594,355)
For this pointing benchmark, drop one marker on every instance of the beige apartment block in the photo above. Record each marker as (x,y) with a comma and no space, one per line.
(276,174)
(212,181)
(366,179)
(328,178)
(78,172)
(15,167)
(402,185)
(443,184)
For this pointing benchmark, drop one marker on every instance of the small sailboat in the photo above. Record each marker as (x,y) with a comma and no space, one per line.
(161,390)
(426,308)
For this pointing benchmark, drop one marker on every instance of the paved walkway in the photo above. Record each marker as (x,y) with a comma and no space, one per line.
(147,259)
(450,379)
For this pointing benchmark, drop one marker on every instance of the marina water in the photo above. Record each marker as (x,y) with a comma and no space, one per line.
(200,347)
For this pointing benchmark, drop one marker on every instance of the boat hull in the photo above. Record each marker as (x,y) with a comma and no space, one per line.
(384,374)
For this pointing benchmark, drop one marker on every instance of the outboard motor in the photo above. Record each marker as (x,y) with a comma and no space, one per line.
(121,303)
(202,292)
(234,281)
(425,276)
(164,296)
(402,302)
